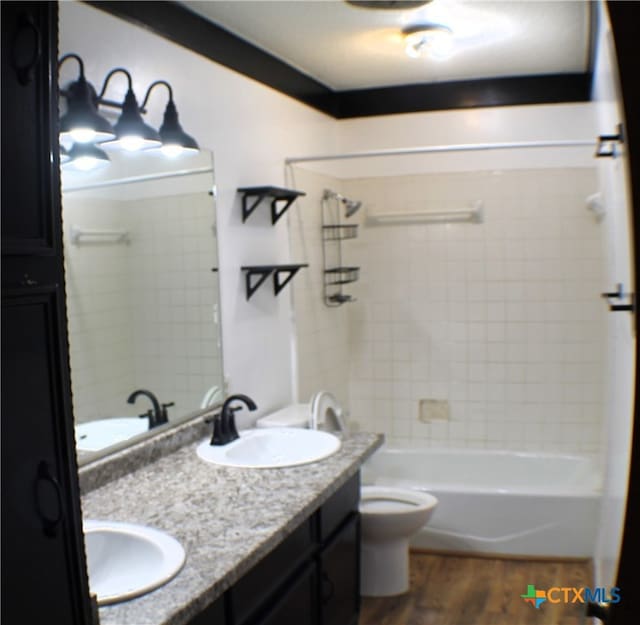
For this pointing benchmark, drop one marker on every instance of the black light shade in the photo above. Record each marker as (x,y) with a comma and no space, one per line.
(174,139)
(86,157)
(132,133)
(82,123)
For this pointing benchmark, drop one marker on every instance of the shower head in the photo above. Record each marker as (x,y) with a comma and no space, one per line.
(351,206)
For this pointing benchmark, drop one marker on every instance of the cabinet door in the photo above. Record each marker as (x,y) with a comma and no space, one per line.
(30,179)
(296,604)
(340,576)
(44,577)
(42,552)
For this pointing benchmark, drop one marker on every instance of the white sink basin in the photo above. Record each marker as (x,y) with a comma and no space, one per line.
(95,435)
(268,448)
(125,560)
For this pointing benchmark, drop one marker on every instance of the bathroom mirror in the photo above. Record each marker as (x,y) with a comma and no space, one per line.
(142,295)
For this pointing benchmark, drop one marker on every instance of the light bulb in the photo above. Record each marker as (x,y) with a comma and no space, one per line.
(429,40)
(86,163)
(171,150)
(83,135)
(131,143)
(440,44)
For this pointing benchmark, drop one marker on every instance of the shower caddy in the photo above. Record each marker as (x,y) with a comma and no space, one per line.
(336,276)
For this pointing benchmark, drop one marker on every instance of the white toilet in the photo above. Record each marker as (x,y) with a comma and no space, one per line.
(389,517)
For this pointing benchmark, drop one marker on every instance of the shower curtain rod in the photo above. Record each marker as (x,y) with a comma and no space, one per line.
(462,147)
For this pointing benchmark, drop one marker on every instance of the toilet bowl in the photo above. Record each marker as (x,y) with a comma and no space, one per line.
(389,517)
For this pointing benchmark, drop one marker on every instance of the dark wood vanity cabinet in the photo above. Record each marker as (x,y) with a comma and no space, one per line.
(340,575)
(311,578)
(44,577)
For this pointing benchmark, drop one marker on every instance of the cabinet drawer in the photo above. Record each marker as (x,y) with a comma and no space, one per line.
(248,594)
(339,506)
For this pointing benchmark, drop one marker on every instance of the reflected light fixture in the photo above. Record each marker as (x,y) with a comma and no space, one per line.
(175,140)
(132,134)
(82,123)
(86,157)
(428,40)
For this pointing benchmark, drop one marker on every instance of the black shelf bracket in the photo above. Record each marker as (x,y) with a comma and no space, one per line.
(289,271)
(285,197)
(262,272)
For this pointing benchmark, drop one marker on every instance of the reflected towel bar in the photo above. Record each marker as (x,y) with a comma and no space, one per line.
(81,235)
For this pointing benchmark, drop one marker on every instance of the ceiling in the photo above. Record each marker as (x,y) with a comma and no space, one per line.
(347,48)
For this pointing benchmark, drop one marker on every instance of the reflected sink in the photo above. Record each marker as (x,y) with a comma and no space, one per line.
(96,435)
(125,560)
(268,448)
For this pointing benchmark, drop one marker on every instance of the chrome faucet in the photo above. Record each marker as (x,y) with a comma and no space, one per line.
(224,425)
(157,415)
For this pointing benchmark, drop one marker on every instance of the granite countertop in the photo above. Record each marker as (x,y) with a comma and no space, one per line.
(226,518)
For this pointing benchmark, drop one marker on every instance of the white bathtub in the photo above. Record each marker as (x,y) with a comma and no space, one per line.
(498,502)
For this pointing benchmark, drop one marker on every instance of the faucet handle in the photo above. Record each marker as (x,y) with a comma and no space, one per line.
(164,415)
(232,432)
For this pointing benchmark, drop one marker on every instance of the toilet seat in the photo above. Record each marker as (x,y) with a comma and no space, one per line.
(384,500)
(389,517)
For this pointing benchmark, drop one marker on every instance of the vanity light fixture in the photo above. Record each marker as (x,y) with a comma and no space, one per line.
(175,140)
(132,134)
(428,40)
(82,123)
(86,157)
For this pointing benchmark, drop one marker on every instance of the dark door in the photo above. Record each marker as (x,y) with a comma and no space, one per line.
(43,571)
(625,23)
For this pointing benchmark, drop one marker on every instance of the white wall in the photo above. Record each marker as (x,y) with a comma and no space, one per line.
(616,431)
(481,125)
(251,129)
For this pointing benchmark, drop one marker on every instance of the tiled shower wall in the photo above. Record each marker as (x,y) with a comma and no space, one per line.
(480,335)
(322,339)
(142,315)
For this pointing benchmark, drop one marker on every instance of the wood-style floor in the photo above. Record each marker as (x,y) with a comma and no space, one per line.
(452,590)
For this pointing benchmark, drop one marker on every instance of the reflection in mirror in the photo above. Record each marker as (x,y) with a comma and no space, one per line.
(142,296)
